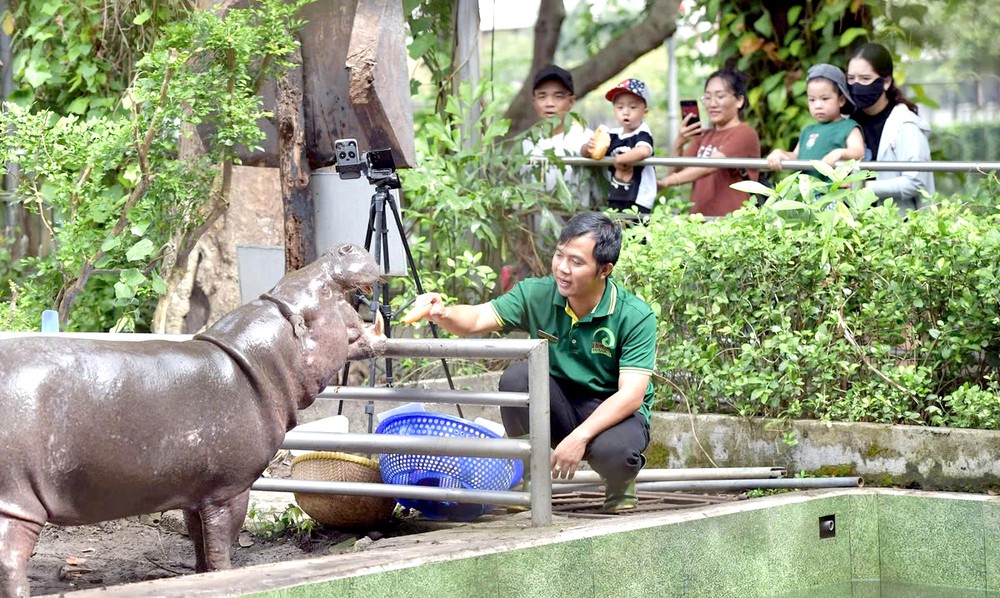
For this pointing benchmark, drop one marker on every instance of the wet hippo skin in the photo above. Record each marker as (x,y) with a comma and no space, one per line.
(94,430)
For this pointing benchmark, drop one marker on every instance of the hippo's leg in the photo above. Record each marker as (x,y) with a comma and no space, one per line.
(213,529)
(17,542)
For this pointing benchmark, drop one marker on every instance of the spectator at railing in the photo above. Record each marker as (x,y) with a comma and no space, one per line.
(553,97)
(727,137)
(893,132)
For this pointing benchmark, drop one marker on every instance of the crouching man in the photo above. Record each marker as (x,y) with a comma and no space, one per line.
(602,350)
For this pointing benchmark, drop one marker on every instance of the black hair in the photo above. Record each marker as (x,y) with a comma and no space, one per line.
(735,80)
(879,57)
(605,231)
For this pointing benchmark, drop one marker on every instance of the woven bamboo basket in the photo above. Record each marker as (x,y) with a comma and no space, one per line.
(341,510)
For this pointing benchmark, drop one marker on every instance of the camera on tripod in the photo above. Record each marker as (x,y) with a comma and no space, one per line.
(377,165)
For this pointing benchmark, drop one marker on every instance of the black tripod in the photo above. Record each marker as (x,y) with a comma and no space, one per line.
(378,232)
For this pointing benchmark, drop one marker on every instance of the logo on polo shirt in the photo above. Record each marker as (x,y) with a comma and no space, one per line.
(604,342)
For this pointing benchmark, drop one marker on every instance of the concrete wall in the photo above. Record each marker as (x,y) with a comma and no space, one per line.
(909,456)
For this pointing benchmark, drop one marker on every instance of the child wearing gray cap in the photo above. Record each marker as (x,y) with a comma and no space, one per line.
(833,138)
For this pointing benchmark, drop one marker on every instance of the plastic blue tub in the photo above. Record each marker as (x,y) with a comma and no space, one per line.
(444,471)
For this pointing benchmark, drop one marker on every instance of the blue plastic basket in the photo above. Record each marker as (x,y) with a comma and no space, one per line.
(444,471)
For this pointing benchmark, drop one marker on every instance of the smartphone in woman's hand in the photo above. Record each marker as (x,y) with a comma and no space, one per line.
(689,111)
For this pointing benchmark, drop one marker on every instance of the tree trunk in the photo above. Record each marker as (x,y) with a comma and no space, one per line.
(369,100)
(645,36)
(300,228)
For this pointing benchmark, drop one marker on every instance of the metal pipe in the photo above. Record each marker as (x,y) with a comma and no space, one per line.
(395,347)
(770,483)
(673,475)
(472,348)
(413,445)
(761,164)
(421,395)
(484,497)
(538,422)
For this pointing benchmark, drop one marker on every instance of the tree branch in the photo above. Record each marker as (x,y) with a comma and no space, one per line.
(67,296)
(656,25)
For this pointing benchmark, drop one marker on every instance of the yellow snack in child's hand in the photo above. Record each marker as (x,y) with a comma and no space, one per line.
(602,141)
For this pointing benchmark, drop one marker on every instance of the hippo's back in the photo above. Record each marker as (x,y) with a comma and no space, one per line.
(100,430)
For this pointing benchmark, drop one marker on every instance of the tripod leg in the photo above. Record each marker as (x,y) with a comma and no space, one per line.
(420,287)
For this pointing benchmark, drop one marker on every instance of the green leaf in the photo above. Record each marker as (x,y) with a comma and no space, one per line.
(753,187)
(142,17)
(124,291)
(788,204)
(793,14)
(111,243)
(159,285)
(141,250)
(848,37)
(79,105)
(132,277)
(763,25)
(37,75)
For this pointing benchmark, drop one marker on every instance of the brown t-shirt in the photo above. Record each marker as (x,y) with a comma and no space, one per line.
(711,194)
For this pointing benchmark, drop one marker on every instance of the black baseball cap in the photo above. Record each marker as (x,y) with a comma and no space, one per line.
(555,73)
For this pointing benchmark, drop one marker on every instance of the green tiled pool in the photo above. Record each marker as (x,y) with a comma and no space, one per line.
(885,543)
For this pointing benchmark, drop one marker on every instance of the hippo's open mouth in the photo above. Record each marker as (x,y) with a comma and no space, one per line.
(361,294)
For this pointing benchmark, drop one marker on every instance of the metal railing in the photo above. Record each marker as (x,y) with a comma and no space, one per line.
(761,164)
(536,450)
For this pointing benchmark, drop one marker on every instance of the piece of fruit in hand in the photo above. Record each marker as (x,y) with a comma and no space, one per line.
(602,141)
(416,313)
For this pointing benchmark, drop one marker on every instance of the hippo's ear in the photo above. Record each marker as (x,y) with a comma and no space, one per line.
(298,323)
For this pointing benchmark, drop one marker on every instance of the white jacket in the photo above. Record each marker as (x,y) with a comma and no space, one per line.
(904,139)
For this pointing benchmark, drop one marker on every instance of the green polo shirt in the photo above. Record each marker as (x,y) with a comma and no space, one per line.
(586,354)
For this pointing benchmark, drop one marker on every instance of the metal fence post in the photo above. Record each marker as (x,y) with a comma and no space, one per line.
(538,418)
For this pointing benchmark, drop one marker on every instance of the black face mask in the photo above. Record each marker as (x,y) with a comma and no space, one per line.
(866,95)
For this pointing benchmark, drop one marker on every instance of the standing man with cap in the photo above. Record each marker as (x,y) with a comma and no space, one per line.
(553,97)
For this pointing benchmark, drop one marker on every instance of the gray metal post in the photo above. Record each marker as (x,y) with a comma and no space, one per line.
(538,420)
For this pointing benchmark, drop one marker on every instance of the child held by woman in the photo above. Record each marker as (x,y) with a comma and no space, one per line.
(833,137)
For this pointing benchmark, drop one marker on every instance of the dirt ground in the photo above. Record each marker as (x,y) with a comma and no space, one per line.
(156,546)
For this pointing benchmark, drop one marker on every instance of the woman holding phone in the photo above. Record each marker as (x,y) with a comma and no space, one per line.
(726,137)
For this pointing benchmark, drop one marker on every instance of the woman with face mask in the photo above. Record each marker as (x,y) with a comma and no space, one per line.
(892,130)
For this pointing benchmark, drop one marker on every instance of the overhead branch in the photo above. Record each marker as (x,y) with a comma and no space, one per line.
(657,24)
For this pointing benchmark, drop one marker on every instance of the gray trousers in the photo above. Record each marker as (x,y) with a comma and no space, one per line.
(616,453)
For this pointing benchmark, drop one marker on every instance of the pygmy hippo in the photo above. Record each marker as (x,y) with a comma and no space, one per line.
(101,429)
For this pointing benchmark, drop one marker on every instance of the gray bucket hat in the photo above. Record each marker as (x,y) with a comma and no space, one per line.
(834,74)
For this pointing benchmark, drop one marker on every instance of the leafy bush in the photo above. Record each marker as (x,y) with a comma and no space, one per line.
(821,305)
(112,189)
(477,207)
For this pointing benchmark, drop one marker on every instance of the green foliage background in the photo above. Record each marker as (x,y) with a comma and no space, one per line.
(111,187)
(819,305)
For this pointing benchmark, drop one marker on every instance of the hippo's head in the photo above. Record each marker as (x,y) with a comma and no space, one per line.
(318,300)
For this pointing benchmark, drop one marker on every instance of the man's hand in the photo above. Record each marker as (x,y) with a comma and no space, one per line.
(567,455)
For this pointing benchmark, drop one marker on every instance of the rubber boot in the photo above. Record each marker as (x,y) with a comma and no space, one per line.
(621,497)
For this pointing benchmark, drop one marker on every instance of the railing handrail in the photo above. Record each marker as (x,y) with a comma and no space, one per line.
(761,164)
(536,449)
